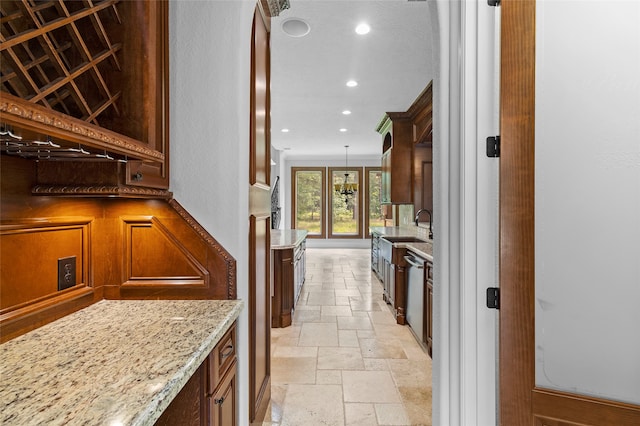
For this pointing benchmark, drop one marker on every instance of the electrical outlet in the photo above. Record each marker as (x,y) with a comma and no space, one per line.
(66,272)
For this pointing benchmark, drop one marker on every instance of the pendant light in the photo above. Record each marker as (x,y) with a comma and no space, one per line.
(345,188)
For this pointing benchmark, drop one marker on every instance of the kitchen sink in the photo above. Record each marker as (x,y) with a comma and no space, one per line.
(407,239)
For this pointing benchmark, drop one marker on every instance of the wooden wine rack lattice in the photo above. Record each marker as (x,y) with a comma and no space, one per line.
(60,54)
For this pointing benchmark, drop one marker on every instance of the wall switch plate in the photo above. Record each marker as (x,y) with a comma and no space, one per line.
(66,272)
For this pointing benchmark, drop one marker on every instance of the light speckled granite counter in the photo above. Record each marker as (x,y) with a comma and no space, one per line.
(113,363)
(287,238)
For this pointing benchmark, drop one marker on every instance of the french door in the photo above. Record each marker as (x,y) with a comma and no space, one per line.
(569,278)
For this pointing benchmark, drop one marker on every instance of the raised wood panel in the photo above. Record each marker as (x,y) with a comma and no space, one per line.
(30,253)
(554,408)
(260,313)
(102,252)
(153,256)
(283,292)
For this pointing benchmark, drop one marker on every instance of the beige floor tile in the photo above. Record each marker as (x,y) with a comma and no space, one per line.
(345,360)
(392,415)
(354,323)
(296,352)
(360,415)
(318,334)
(302,316)
(342,301)
(340,311)
(348,338)
(381,348)
(382,317)
(339,359)
(293,370)
(328,377)
(411,373)
(417,404)
(321,298)
(369,386)
(375,364)
(313,405)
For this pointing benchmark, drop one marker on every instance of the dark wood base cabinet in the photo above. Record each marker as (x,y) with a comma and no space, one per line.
(209,398)
(289,267)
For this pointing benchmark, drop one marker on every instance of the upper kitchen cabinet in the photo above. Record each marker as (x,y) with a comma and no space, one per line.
(396,185)
(84,91)
(402,133)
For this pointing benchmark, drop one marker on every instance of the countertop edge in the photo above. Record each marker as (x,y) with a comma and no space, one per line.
(162,400)
(301,235)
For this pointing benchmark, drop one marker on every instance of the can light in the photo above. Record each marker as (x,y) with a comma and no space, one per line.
(363,28)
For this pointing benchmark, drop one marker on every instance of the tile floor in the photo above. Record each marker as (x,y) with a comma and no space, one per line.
(344,360)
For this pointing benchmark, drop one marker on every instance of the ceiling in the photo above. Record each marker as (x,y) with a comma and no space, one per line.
(392,65)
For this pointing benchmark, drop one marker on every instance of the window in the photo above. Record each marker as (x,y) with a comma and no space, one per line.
(308,194)
(345,218)
(313,189)
(373,208)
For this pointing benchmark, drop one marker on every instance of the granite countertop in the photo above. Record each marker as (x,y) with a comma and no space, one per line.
(422,249)
(116,362)
(287,238)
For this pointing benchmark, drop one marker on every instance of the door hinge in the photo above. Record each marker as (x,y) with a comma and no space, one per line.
(493,146)
(493,298)
(493,2)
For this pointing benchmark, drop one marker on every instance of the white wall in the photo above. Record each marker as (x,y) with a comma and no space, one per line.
(210,52)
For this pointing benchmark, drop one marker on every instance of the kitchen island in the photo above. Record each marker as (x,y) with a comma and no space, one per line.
(116,362)
(288,248)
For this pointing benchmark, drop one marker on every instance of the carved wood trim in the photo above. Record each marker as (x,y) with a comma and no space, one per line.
(129,222)
(230,262)
(23,113)
(101,190)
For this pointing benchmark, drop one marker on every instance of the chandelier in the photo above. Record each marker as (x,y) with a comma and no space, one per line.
(345,188)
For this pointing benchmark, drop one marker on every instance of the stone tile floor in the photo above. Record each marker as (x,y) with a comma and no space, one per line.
(344,360)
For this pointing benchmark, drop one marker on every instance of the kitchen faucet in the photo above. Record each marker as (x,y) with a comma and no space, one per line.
(430,221)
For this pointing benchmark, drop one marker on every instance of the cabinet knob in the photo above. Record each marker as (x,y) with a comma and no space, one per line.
(137,177)
(218,401)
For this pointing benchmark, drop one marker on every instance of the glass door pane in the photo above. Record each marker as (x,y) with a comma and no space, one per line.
(587,199)
(374,208)
(308,205)
(345,201)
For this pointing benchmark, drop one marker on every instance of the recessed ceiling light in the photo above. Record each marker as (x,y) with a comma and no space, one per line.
(343,130)
(295,27)
(352,83)
(363,28)
(286,149)
(346,112)
(285,130)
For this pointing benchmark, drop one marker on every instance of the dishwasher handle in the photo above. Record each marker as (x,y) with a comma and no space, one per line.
(412,261)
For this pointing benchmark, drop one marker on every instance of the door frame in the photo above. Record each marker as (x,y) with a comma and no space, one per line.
(521,402)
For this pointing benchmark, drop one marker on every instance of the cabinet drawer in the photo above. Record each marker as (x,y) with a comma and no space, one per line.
(221,359)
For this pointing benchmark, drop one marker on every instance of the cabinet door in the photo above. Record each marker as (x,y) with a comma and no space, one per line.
(222,404)
(428,303)
(385,182)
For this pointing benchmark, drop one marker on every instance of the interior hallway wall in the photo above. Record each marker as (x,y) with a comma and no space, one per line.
(210,57)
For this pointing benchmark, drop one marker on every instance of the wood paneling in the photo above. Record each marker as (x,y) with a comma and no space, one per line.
(554,408)
(259,218)
(169,255)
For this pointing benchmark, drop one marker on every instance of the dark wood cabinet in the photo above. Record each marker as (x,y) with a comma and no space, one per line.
(428,307)
(85,91)
(397,175)
(404,181)
(289,269)
(210,395)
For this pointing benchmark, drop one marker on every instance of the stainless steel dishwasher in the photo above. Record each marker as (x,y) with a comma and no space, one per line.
(415,295)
